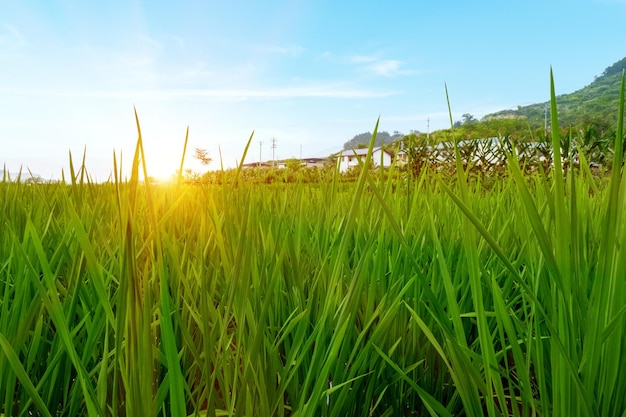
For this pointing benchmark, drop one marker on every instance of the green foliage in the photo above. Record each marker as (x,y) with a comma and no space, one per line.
(616,68)
(293,172)
(363,140)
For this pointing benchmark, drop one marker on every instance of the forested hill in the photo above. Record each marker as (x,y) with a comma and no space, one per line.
(596,104)
(363,139)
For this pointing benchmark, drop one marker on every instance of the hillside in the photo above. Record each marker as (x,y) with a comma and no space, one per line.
(595,103)
(363,139)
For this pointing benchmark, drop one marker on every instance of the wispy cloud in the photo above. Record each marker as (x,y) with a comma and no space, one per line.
(179,41)
(363,59)
(321,91)
(149,43)
(376,66)
(287,50)
(388,68)
(197,72)
(10,36)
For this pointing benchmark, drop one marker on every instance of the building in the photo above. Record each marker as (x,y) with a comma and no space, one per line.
(283,163)
(313,162)
(350,158)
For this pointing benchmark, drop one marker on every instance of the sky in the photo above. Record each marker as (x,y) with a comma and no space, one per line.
(304,75)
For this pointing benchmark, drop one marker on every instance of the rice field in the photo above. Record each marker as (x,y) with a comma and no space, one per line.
(379,298)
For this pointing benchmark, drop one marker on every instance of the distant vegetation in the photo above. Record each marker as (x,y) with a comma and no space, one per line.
(590,110)
(363,139)
(587,118)
(593,105)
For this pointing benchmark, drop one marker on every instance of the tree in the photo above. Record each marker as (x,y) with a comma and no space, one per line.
(616,68)
(202,155)
(416,148)
(468,118)
(363,140)
(293,164)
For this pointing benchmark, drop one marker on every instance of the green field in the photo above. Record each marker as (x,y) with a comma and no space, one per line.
(388,296)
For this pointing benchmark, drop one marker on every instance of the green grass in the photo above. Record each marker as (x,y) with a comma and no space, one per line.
(385,297)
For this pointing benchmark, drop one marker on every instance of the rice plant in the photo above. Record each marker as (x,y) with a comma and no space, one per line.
(432,295)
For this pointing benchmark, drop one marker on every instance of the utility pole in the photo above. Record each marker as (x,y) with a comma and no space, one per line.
(273,154)
(260,150)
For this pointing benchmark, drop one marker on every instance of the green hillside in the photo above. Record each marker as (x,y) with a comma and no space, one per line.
(593,108)
(593,104)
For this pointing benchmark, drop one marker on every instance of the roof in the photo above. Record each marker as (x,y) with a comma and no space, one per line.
(362,151)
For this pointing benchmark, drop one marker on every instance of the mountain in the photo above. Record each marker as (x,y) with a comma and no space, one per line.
(363,139)
(596,104)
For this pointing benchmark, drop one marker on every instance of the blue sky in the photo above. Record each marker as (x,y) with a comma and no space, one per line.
(311,74)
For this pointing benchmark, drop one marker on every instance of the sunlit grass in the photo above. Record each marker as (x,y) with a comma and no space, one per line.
(383,297)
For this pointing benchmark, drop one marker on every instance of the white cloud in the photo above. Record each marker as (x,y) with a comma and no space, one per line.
(363,59)
(179,41)
(10,36)
(376,66)
(387,68)
(313,91)
(287,50)
(149,43)
(198,72)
